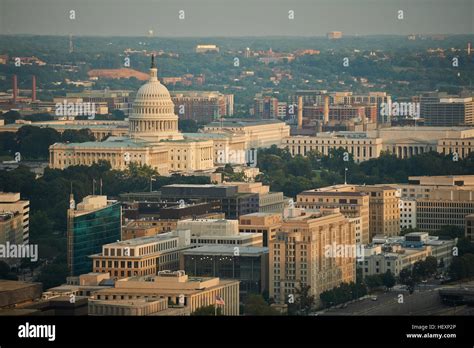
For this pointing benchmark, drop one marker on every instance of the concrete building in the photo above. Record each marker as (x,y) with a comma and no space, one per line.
(14,293)
(232,203)
(397,253)
(361,147)
(384,209)
(302,253)
(268,202)
(91,224)
(265,223)
(445,206)
(10,202)
(249,265)
(258,133)
(11,234)
(353,204)
(469,228)
(100,129)
(142,256)
(440,109)
(212,231)
(377,261)
(201,106)
(407,213)
(178,289)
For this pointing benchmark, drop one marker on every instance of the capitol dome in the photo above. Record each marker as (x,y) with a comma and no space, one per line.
(152,117)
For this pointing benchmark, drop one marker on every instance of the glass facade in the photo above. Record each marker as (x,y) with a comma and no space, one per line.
(91,231)
(246,269)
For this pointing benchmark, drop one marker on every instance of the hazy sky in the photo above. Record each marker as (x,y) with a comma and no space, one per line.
(235,17)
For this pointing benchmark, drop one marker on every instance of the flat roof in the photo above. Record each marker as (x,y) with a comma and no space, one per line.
(111,142)
(226,250)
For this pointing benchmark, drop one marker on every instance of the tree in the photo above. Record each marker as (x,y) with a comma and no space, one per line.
(207,311)
(373,281)
(304,299)
(405,277)
(10,116)
(388,279)
(52,275)
(431,265)
(256,305)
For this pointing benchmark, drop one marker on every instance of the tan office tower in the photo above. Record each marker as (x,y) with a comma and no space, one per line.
(384,210)
(303,253)
(10,202)
(354,205)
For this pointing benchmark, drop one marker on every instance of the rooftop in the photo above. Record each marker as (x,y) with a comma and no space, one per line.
(226,250)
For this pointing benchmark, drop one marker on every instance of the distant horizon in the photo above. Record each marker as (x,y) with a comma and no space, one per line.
(235,18)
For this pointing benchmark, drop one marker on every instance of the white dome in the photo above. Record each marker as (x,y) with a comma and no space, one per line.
(152,117)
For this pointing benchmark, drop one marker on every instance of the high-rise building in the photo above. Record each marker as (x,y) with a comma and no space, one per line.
(304,253)
(95,222)
(351,203)
(384,209)
(11,202)
(440,109)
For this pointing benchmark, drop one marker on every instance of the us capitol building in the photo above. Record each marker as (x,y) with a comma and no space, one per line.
(154,139)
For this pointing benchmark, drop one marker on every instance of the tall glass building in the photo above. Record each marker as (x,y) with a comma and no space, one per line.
(93,223)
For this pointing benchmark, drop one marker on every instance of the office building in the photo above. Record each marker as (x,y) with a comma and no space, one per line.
(353,204)
(10,202)
(265,223)
(361,147)
(440,109)
(265,107)
(201,106)
(384,209)
(249,265)
(444,206)
(94,222)
(268,202)
(301,253)
(183,293)
(232,203)
(469,227)
(212,231)
(141,256)
(407,213)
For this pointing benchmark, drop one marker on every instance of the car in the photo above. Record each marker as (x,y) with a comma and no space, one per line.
(424,281)
(374,298)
